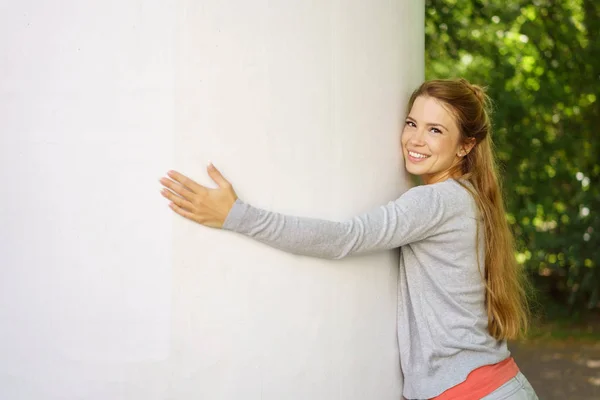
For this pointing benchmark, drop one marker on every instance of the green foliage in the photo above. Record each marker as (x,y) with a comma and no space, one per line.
(540,61)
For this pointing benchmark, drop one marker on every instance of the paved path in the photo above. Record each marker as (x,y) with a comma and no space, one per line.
(565,370)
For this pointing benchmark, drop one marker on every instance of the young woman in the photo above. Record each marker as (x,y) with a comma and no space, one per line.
(461,292)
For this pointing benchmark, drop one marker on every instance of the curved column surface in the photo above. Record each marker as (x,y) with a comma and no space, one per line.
(107,294)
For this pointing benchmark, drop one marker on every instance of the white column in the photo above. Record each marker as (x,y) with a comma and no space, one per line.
(104,292)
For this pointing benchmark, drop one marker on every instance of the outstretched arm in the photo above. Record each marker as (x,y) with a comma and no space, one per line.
(412,217)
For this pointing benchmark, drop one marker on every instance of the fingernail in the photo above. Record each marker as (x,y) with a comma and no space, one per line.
(210,164)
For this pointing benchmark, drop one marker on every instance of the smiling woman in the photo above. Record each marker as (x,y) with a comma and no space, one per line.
(431,140)
(461,292)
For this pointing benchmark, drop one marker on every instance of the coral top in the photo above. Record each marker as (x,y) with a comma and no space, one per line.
(482,381)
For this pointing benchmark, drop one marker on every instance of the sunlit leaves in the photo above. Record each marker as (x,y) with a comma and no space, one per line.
(541,63)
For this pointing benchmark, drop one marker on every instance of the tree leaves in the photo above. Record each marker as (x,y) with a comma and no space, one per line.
(540,61)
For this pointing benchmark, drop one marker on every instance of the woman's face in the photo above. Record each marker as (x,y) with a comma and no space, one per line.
(431,140)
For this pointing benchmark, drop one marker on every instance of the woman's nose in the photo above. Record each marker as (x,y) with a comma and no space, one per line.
(418,137)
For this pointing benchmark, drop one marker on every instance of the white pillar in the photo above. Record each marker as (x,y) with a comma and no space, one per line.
(104,292)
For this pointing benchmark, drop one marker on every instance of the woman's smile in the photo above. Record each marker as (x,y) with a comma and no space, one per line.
(416,157)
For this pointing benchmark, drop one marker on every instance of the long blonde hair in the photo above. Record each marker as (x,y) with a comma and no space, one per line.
(505,282)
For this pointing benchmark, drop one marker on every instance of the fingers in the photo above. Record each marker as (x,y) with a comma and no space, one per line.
(216,176)
(185,181)
(179,201)
(177,188)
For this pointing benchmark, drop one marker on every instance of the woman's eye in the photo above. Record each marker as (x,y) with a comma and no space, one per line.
(411,124)
(435,130)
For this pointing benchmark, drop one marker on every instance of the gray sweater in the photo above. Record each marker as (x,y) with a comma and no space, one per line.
(442,319)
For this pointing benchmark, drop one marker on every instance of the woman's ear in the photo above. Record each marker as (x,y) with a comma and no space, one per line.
(466,147)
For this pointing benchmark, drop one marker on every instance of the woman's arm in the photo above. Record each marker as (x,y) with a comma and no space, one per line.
(413,216)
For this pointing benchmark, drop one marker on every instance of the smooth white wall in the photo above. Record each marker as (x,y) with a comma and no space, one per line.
(104,292)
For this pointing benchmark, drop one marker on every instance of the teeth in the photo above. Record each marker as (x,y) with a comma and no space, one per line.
(417,155)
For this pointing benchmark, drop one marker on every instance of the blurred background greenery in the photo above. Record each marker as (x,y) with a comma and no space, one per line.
(540,62)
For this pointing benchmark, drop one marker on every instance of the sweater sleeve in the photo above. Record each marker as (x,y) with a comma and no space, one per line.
(412,217)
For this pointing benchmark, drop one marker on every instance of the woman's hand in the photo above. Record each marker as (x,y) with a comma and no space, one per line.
(193,201)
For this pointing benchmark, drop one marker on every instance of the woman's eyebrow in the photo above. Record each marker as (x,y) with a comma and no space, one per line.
(432,124)
(428,123)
